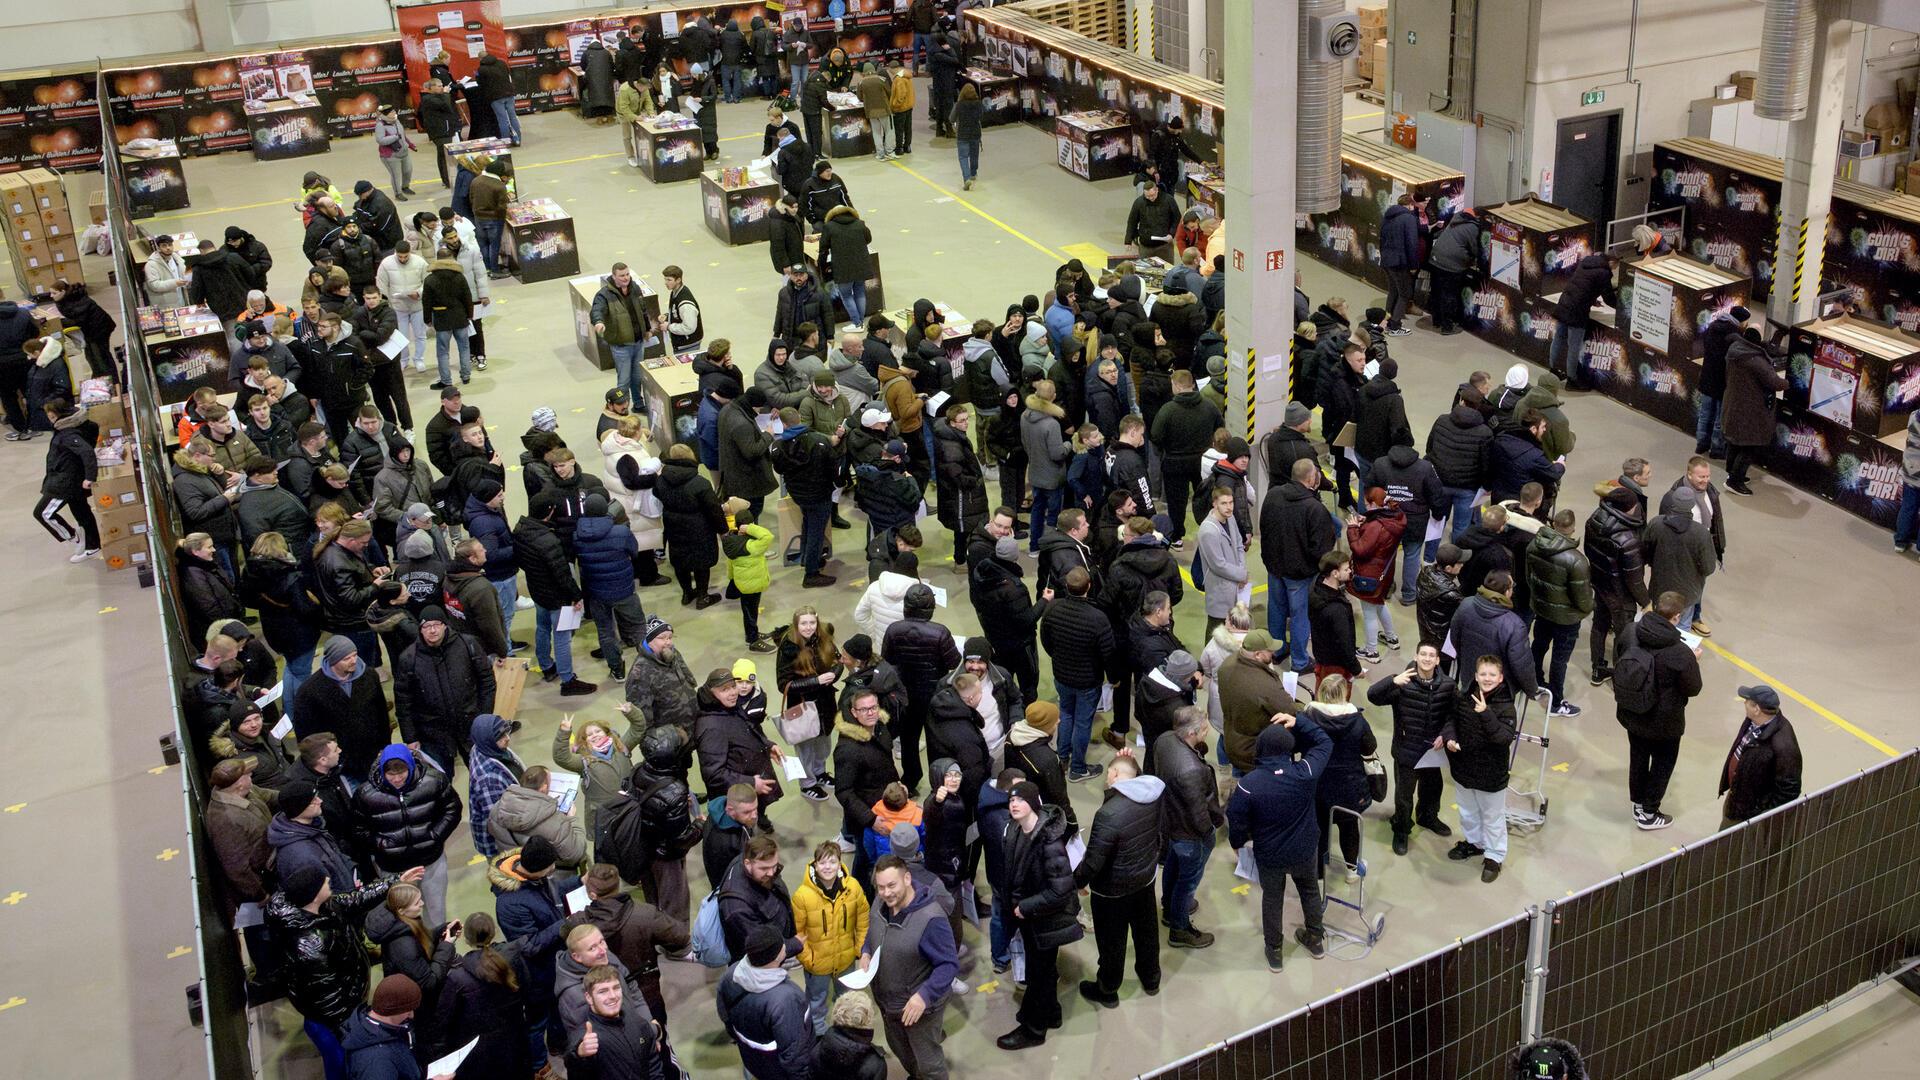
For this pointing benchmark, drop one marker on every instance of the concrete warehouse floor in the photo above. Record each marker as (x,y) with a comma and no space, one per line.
(1810,599)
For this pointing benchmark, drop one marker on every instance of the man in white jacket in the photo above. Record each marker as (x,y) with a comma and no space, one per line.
(166,275)
(884,602)
(400,277)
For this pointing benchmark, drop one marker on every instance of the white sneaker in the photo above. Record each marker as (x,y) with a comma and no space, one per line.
(522,603)
(959,987)
(408,432)
(83,556)
(634,161)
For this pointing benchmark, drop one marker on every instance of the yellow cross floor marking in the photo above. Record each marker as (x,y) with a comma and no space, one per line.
(158,769)
(12,1002)
(1241,890)
(1562,767)
(179,951)
(987,987)
(13,899)
(168,854)
(106,610)
(16,808)
(476,860)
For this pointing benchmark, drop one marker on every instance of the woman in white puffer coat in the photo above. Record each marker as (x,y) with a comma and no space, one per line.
(630,470)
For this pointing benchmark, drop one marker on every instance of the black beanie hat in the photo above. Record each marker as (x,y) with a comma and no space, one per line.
(537,855)
(303,884)
(763,945)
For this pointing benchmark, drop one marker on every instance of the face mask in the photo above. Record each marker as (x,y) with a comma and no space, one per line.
(1006,547)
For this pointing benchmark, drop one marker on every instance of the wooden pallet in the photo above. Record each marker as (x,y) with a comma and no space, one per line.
(1104,21)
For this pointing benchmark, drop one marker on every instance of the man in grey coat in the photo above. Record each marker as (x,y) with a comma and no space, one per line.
(1678,550)
(745,469)
(1048,454)
(1223,555)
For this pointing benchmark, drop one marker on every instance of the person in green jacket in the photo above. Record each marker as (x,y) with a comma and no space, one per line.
(745,545)
(632,102)
(1561,582)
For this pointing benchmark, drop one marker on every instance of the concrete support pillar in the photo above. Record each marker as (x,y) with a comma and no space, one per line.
(1197,30)
(1140,27)
(214,18)
(1813,151)
(1262,64)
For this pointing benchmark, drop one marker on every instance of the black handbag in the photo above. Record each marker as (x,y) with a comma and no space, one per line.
(1376,777)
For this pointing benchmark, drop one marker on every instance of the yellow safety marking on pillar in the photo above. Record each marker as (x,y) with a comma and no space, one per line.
(1241,890)
(16,808)
(1800,261)
(1252,374)
(13,899)
(12,1002)
(107,610)
(179,951)
(167,854)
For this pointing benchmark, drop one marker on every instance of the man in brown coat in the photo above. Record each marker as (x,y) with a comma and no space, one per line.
(236,823)
(1251,693)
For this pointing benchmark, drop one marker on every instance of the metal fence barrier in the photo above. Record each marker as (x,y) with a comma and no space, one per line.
(219,999)
(1672,968)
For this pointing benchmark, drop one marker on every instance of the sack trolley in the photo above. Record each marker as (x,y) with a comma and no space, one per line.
(1532,813)
(1350,945)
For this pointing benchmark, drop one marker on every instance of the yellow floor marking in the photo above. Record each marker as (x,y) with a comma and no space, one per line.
(106,610)
(12,1002)
(168,854)
(220,210)
(1819,710)
(476,860)
(179,951)
(1092,255)
(13,899)
(158,769)
(956,197)
(16,808)
(1241,890)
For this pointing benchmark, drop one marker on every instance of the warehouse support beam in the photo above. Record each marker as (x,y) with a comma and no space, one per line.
(1262,65)
(1813,148)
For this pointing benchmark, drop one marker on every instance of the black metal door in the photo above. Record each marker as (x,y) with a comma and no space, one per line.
(1586,163)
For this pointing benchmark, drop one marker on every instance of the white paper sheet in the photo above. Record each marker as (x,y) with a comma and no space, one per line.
(450,1064)
(564,788)
(1245,596)
(936,401)
(939,596)
(796,772)
(1291,680)
(271,694)
(858,978)
(570,618)
(482,309)
(1435,526)
(1432,759)
(1076,850)
(577,901)
(282,729)
(1446,647)
(1244,866)
(394,345)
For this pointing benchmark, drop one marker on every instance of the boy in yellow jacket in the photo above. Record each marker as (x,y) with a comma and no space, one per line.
(830,914)
(900,98)
(746,545)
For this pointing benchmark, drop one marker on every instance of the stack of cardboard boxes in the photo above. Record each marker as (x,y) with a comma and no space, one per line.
(1371,63)
(117,502)
(39,227)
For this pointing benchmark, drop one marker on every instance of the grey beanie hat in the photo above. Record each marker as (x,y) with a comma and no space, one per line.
(1298,413)
(417,545)
(1180,664)
(905,841)
(339,647)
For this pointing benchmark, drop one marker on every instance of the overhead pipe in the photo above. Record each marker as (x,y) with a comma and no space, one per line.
(1787,35)
(1317,137)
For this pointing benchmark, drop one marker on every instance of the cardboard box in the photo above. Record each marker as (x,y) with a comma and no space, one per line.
(112,418)
(1885,122)
(46,187)
(1744,82)
(97,207)
(125,553)
(25,228)
(1379,62)
(57,221)
(16,196)
(1373,15)
(115,485)
(123,522)
(64,252)
(32,254)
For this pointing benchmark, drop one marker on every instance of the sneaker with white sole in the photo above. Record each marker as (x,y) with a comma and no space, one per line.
(1566,708)
(1390,642)
(959,987)
(1371,656)
(523,603)
(83,556)
(1650,821)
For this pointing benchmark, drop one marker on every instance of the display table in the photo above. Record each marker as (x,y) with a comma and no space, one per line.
(999,96)
(288,127)
(673,399)
(848,133)
(876,295)
(1207,186)
(1535,245)
(1859,375)
(581,291)
(1095,145)
(1667,300)
(671,149)
(540,236)
(188,350)
(155,179)
(955,329)
(499,149)
(737,209)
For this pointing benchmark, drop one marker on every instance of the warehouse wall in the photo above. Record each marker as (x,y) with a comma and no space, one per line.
(257,22)
(77,31)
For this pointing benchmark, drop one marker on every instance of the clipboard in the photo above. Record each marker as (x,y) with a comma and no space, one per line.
(1346,436)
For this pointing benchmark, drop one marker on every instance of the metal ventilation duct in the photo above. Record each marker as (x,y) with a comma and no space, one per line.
(1317,136)
(1786,59)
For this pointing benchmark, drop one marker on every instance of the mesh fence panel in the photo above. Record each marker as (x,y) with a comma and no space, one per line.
(1678,962)
(1453,1015)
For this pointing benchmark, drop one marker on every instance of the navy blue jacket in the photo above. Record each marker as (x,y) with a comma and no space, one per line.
(770,1029)
(605,550)
(1400,239)
(1514,458)
(377,1051)
(1274,805)
(494,534)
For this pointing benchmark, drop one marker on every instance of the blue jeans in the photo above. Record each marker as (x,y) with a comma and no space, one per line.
(1563,353)
(463,338)
(969,158)
(626,371)
(299,669)
(922,49)
(818,987)
(1413,545)
(509,593)
(1047,504)
(490,243)
(1462,511)
(1287,616)
(1076,722)
(1696,611)
(1708,435)
(506,119)
(333,1059)
(1906,526)
(730,83)
(552,649)
(1562,639)
(853,296)
(1182,864)
(800,72)
(813,535)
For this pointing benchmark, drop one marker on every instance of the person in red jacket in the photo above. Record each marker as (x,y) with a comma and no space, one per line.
(1374,537)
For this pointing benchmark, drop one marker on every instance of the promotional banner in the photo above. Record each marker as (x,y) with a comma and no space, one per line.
(49,121)
(453,34)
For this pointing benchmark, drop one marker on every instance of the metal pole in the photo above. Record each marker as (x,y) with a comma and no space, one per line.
(1533,994)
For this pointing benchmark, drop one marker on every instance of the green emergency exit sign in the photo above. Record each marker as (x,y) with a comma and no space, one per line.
(1593,97)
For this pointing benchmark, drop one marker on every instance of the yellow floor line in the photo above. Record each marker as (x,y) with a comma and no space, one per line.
(1819,710)
(956,197)
(287,202)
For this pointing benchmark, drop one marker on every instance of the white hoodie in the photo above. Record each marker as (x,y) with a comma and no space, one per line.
(883,604)
(643,506)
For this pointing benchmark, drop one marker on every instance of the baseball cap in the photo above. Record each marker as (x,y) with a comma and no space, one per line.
(1257,641)
(617,396)
(1764,696)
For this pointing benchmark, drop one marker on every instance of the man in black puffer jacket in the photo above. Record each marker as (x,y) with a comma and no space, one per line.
(402,817)
(1078,636)
(344,581)
(440,684)
(1619,572)
(1339,396)
(326,972)
(1009,616)
(1191,818)
(551,585)
(1653,734)
(648,830)
(922,651)
(1422,699)
(1410,481)
(1382,419)
(1295,531)
(1287,444)
(1123,854)
(1457,446)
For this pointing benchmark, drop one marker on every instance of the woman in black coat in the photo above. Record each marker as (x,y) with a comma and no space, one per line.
(691,521)
(206,589)
(485,997)
(1344,783)
(79,309)
(1044,906)
(274,584)
(422,953)
(958,478)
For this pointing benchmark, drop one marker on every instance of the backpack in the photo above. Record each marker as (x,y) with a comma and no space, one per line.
(1633,689)
(449,503)
(709,937)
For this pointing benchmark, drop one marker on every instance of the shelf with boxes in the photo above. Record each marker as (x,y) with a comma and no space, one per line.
(39,228)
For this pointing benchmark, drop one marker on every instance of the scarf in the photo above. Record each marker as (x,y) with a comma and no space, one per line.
(757,980)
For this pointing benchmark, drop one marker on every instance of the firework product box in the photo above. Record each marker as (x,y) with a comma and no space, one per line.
(1667,300)
(876,295)
(1096,144)
(580,293)
(1732,203)
(1854,374)
(155,178)
(1373,176)
(737,210)
(1873,251)
(1849,468)
(1533,245)
(39,229)
(1207,187)
(670,148)
(287,127)
(849,134)
(188,350)
(999,95)
(540,235)
(673,399)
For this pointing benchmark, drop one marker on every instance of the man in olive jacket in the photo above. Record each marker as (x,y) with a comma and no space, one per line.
(1251,694)
(1562,587)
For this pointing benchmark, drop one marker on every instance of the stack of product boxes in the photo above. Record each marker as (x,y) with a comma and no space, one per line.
(117,503)
(39,227)
(1371,63)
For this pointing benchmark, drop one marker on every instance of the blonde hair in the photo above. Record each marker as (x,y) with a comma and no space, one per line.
(269,545)
(1332,689)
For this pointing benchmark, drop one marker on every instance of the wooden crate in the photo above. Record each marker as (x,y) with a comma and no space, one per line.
(1102,20)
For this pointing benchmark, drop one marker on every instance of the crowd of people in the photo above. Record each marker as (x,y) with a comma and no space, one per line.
(371,570)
